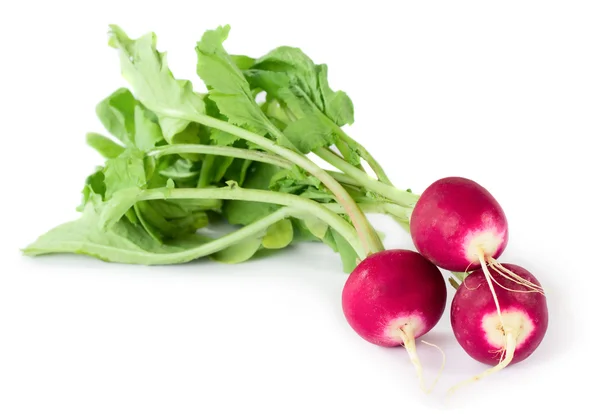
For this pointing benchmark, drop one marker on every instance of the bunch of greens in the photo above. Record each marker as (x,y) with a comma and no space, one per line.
(180,162)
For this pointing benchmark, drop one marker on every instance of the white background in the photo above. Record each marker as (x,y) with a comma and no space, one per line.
(506,93)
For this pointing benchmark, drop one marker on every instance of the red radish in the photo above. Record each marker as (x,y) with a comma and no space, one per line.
(393,297)
(456,222)
(458,225)
(503,339)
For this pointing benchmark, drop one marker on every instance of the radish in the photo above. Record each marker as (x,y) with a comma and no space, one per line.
(458,225)
(495,339)
(456,222)
(393,297)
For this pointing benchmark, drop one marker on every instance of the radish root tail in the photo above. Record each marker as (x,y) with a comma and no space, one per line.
(437,378)
(408,337)
(509,353)
(526,290)
(512,276)
(488,278)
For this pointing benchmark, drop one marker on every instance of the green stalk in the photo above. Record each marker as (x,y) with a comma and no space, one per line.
(346,152)
(252,229)
(398,213)
(344,178)
(403,198)
(300,207)
(364,154)
(454,283)
(243,153)
(369,238)
(371,207)
(383,187)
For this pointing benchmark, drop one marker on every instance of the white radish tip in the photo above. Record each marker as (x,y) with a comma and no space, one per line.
(406,332)
(487,241)
(511,346)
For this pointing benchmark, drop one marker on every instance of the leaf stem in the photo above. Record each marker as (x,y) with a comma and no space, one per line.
(403,198)
(399,213)
(369,238)
(300,207)
(246,154)
(364,154)
(243,153)
(346,152)
(372,207)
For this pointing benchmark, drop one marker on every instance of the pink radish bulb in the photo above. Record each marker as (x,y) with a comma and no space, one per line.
(476,324)
(456,222)
(393,297)
(484,334)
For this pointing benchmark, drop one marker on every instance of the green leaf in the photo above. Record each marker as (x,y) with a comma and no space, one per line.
(147,133)
(165,227)
(242,62)
(310,133)
(239,252)
(150,228)
(347,253)
(276,113)
(182,168)
(337,105)
(339,245)
(116,112)
(317,227)
(245,212)
(279,235)
(271,82)
(297,66)
(123,243)
(244,171)
(294,181)
(305,102)
(287,72)
(125,118)
(125,171)
(117,206)
(172,126)
(192,134)
(94,187)
(301,232)
(154,85)
(349,151)
(237,171)
(105,146)
(216,135)
(281,89)
(227,85)
(222,138)
(177,209)
(213,170)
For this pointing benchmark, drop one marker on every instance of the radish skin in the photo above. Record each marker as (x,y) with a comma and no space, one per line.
(455,222)
(392,298)
(478,328)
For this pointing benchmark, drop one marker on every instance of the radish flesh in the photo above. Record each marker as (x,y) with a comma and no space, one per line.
(489,338)
(394,297)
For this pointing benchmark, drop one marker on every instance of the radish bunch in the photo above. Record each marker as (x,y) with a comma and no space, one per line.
(499,314)
(178,161)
